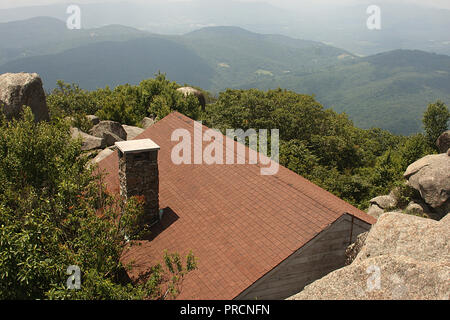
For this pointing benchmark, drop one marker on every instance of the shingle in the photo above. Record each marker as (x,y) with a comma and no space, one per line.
(238,223)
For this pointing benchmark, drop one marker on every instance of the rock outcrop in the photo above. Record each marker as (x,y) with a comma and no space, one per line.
(88,142)
(23,89)
(375,211)
(102,155)
(93,119)
(384,202)
(380,204)
(110,131)
(352,251)
(418,208)
(443,142)
(132,132)
(147,122)
(429,182)
(403,257)
(431,177)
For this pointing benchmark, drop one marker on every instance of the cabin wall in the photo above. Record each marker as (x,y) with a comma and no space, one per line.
(322,255)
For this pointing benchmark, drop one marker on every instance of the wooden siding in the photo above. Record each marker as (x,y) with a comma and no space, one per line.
(322,255)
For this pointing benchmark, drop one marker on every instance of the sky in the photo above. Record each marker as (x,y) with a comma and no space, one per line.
(290,4)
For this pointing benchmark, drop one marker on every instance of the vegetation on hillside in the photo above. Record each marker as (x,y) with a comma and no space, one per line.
(388,90)
(321,145)
(55,213)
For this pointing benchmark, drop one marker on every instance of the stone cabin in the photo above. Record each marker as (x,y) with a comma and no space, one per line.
(255,236)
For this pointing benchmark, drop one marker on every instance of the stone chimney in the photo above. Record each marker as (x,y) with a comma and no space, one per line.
(138,174)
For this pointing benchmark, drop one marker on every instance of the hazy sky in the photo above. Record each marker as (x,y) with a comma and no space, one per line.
(281,3)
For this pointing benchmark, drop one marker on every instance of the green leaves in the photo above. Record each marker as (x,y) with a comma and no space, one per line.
(54,213)
(126,104)
(321,145)
(435,121)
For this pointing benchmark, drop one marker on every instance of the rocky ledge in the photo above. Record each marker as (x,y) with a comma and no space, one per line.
(402,257)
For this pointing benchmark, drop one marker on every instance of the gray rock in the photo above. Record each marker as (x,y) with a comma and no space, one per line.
(147,122)
(23,89)
(443,142)
(132,132)
(446,219)
(417,208)
(403,257)
(431,177)
(111,131)
(88,142)
(353,249)
(93,119)
(384,202)
(400,278)
(102,155)
(375,211)
(401,234)
(111,139)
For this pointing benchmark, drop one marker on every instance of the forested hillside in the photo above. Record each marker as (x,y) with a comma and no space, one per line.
(44,35)
(388,90)
(317,143)
(405,24)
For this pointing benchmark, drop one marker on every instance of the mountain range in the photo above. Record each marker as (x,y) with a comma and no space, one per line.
(404,24)
(389,90)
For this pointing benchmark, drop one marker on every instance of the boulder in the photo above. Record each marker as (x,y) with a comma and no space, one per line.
(93,119)
(443,142)
(375,211)
(110,131)
(23,89)
(111,138)
(353,249)
(417,208)
(385,202)
(403,257)
(382,278)
(102,155)
(147,122)
(431,177)
(132,132)
(446,219)
(89,142)
(401,234)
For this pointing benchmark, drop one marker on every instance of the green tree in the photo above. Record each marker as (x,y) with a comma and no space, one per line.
(414,148)
(54,213)
(435,120)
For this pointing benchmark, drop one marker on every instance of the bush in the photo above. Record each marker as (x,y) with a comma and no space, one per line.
(54,213)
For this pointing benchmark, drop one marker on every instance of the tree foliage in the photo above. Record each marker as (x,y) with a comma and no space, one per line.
(55,213)
(126,104)
(435,120)
(320,144)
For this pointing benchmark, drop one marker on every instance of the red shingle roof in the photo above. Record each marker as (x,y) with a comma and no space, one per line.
(238,223)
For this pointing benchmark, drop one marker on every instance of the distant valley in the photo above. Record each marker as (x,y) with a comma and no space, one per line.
(389,90)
